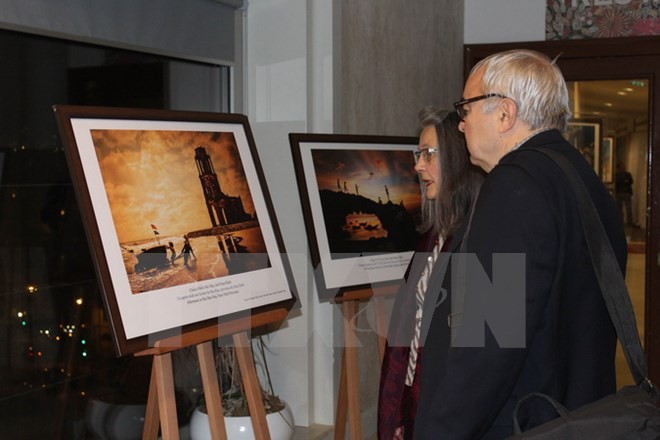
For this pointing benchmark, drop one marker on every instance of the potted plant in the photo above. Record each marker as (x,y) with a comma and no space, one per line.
(238,422)
(116,409)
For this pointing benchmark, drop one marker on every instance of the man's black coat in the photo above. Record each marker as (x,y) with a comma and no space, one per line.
(525,207)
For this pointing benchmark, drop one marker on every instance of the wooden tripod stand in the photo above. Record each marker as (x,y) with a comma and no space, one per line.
(161,404)
(348,400)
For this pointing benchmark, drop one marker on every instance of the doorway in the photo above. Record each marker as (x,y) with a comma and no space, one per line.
(593,66)
(618,110)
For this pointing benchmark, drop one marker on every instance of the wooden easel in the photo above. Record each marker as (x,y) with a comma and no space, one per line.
(161,403)
(348,400)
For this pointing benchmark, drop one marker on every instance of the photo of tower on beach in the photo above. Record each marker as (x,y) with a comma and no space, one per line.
(181,206)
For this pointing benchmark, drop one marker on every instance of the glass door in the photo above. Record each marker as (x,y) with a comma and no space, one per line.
(617,112)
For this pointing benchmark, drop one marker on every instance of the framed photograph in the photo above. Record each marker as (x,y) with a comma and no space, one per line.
(178,217)
(607,160)
(361,201)
(585,135)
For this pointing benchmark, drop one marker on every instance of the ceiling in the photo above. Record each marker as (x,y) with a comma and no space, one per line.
(618,103)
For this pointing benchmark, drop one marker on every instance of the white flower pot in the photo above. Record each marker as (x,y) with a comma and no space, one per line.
(280,426)
(110,421)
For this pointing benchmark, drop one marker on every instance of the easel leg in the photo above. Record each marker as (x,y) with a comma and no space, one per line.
(151,419)
(243,351)
(211,391)
(162,369)
(381,325)
(342,401)
(352,374)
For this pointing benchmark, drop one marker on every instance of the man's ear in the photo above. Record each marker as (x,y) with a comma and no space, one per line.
(507,114)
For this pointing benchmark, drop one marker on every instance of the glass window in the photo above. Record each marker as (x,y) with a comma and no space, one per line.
(57,347)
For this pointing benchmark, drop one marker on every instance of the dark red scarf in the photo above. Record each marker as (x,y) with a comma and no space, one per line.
(397,404)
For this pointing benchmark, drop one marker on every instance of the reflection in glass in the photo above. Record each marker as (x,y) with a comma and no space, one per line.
(55,339)
(621,107)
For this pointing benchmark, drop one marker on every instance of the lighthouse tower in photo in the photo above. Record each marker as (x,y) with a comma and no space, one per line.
(223,209)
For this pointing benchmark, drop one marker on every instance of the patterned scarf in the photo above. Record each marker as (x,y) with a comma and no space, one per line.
(397,404)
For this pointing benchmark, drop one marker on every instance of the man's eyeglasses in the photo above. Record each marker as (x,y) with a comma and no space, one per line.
(462,111)
(426,153)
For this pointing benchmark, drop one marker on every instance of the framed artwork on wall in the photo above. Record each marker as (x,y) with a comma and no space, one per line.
(361,201)
(607,154)
(178,218)
(585,135)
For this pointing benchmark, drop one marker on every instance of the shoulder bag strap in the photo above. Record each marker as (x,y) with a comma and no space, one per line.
(608,272)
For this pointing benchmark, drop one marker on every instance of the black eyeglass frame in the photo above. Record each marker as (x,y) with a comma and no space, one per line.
(458,105)
(426,153)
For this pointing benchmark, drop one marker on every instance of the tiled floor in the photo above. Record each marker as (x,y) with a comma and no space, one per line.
(314,432)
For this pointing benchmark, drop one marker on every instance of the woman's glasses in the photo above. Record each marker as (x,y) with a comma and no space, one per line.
(426,153)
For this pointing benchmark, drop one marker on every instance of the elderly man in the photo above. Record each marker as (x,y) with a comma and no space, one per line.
(563,339)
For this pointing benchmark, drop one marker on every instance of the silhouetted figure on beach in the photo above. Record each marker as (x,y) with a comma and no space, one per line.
(170,246)
(187,251)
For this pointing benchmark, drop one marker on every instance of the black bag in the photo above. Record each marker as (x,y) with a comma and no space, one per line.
(632,412)
(629,413)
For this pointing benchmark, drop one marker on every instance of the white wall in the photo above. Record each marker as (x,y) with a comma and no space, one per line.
(289,90)
(504,21)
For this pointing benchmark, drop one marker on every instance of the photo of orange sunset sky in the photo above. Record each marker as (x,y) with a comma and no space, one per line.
(371,171)
(151,178)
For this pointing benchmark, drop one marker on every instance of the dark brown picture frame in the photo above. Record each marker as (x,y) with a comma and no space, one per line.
(148,179)
(361,202)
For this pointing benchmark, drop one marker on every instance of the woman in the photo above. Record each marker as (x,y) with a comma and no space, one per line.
(449,185)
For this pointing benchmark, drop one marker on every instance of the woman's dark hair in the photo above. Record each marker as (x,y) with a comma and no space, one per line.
(459,179)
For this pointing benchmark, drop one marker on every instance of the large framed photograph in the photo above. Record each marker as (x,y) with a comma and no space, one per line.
(362,202)
(178,217)
(585,135)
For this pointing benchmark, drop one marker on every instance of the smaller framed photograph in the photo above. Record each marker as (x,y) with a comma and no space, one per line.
(362,203)
(178,218)
(585,135)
